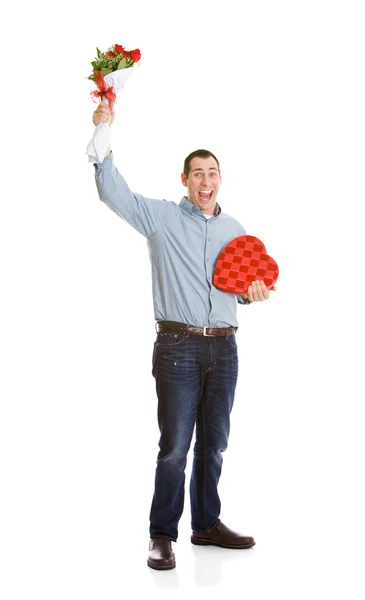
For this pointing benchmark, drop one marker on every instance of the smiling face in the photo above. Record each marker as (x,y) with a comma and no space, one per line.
(203,183)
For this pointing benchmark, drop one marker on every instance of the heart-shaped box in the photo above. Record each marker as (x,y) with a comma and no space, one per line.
(242,261)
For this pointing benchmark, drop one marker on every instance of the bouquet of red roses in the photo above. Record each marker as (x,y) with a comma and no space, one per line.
(111,70)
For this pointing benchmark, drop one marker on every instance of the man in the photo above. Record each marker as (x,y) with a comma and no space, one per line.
(195,361)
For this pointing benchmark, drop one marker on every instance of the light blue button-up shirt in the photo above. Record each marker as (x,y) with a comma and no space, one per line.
(183,247)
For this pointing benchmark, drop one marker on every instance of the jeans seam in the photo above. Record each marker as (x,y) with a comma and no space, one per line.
(204,419)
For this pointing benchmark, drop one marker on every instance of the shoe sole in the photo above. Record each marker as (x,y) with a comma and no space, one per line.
(202,542)
(161,568)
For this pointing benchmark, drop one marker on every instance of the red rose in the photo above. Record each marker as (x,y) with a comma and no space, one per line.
(110,54)
(135,55)
(119,49)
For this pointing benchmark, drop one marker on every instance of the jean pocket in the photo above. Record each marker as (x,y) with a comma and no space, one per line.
(232,340)
(170,338)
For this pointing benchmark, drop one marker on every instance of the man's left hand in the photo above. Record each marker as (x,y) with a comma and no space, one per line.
(257,292)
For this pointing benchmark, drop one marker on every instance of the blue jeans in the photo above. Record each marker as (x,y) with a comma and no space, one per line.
(196,378)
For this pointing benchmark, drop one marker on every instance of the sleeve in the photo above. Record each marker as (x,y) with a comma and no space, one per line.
(143,214)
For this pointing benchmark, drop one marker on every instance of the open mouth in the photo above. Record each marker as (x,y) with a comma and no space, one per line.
(206,195)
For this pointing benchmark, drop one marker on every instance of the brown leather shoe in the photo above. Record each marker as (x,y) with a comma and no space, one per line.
(222,536)
(160,554)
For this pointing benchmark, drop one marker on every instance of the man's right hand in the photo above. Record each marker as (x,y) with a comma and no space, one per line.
(104,114)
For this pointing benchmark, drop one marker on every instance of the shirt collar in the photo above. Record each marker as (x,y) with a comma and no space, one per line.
(191,208)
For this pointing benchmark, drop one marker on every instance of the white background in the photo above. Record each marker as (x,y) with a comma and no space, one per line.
(276,90)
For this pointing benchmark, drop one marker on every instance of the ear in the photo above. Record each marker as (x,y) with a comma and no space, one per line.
(184,180)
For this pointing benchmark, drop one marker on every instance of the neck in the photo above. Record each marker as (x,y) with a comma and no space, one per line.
(208,211)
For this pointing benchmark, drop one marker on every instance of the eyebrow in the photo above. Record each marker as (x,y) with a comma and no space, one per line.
(210,169)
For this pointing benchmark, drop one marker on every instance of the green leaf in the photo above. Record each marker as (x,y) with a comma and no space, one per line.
(98,51)
(122,64)
(105,70)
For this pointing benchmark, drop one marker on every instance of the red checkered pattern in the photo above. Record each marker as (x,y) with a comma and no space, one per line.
(241,262)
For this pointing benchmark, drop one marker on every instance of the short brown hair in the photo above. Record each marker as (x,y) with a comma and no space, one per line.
(200,154)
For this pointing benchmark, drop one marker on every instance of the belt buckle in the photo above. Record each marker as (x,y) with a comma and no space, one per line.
(207,334)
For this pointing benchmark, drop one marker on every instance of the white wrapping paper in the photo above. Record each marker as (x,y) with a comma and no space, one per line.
(99,143)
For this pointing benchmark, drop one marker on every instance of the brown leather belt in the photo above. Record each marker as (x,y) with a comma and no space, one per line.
(184,328)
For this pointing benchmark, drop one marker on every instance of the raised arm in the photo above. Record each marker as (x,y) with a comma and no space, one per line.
(143,214)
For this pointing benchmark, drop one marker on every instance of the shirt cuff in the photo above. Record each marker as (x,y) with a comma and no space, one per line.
(242,300)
